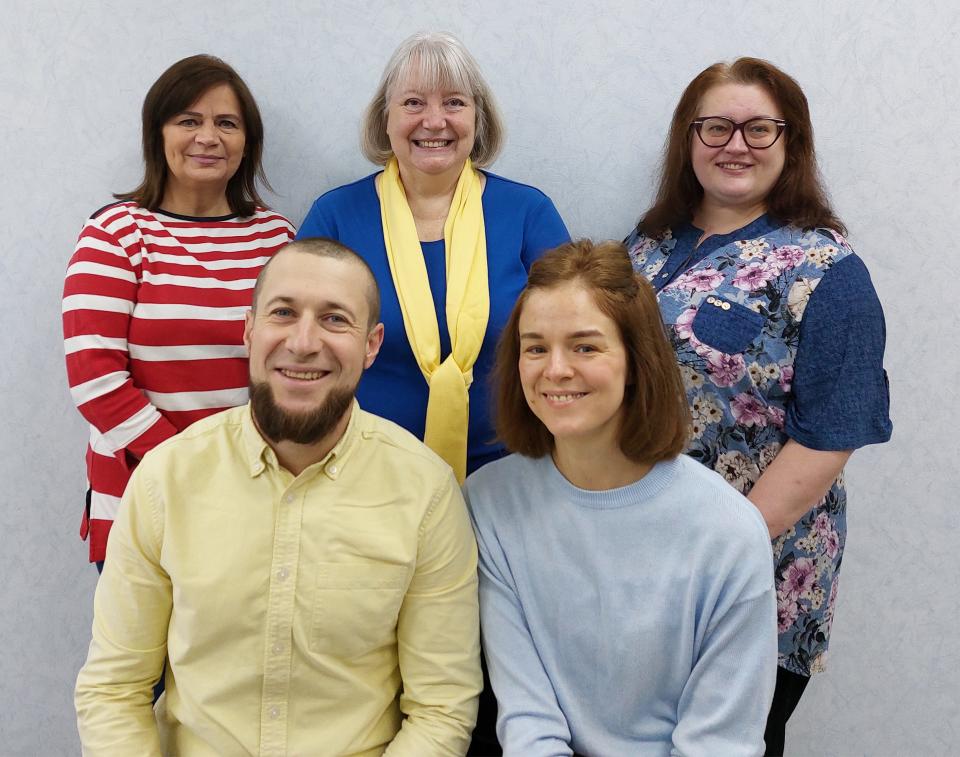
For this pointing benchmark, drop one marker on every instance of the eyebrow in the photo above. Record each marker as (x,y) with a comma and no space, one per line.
(216,115)
(575,335)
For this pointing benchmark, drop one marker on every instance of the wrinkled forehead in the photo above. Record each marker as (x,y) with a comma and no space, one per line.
(431,71)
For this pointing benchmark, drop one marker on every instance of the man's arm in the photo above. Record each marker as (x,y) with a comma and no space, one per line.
(438,635)
(114,694)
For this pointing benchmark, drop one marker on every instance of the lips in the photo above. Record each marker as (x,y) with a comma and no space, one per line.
(563,398)
(432,144)
(206,160)
(300,375)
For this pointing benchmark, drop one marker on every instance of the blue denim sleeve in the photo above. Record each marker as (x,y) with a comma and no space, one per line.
(840,390)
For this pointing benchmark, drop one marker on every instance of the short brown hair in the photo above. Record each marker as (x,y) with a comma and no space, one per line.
(798,197)
(656,418)
(324,247)
(435,60)
(177,88)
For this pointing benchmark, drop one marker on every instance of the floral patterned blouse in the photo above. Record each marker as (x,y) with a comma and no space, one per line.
(779,334)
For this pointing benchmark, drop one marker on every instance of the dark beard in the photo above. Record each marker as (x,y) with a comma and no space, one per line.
(277,425)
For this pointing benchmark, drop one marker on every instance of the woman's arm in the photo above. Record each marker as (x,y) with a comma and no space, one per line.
(796,480)
(530,721)
(99,295)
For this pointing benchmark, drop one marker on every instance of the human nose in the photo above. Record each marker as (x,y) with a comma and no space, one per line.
(558,366)
(433,117)
(207,134)
(737,142)
(304,337)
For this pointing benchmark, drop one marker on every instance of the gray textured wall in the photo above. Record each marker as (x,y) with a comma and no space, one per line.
(587,89)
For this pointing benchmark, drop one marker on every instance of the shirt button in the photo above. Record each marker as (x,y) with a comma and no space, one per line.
(288,499)
(725,305)
(277,648)
(711,300)
(274,713)
(282,574)
(664,275)
(333,470)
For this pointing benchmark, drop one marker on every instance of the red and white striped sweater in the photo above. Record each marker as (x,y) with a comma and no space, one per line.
(153,309)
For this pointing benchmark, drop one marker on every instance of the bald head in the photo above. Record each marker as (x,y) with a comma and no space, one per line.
(327,248)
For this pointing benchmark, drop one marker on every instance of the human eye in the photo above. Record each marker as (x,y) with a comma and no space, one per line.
(456,102)
(761,128)
(187,121)
(534,349)
(585,349)
(413,103)
(228,123)
(716,127)
(336,321)
(281,312)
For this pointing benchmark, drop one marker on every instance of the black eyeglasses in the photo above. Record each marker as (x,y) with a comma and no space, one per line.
(758,133)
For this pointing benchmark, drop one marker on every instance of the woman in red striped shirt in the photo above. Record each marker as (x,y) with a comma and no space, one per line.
(158,284)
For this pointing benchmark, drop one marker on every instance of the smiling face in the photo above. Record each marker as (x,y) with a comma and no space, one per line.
(203,146)
(736,176)
(309,337)
(573,366)
(431,132)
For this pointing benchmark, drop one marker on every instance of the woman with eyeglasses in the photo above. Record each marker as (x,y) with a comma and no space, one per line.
(777,330)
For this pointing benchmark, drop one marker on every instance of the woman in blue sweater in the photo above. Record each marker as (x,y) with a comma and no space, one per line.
(450,245)
(626,597)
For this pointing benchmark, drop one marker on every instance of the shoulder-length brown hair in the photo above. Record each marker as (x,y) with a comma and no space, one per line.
(177,88)
(798,197)
(656,418)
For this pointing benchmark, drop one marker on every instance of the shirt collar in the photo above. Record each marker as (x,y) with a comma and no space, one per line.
(260,455)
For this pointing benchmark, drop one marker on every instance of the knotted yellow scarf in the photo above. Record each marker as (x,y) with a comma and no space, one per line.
(467,306)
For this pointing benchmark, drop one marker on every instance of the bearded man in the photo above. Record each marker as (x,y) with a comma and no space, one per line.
(306,570)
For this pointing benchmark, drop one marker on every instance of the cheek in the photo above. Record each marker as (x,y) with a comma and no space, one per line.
(527,376)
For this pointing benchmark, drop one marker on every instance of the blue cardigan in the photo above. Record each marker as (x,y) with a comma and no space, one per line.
(521,223)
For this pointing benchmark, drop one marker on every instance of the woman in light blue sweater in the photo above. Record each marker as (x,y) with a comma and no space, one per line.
(627,605)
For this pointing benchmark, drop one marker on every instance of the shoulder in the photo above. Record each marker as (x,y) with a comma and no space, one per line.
(123,211)
(503,484)
(714,506)
(347,194)
(498,187)
(190,444)
(396,447)
(264,217)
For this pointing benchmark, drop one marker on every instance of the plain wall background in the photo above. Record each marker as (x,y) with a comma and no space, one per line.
(587,90)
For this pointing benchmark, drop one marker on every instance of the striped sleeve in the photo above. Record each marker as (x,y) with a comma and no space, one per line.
(99,295)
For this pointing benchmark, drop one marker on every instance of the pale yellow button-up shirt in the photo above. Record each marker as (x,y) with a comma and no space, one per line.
(331,613)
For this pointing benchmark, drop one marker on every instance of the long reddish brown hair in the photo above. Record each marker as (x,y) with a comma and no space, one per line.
(797,198)
(656,418)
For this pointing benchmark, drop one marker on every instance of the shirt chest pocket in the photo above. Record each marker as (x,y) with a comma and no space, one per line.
(356,606)
(726,326)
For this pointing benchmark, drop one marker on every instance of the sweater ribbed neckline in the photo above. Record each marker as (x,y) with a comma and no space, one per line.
(654,482)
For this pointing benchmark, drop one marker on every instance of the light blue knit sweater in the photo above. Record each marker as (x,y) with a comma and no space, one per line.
(634,621)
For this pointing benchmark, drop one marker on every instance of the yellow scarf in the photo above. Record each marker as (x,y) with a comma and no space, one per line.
(467,307)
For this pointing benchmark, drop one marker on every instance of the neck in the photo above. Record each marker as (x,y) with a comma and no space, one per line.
(597,467)
(198,203)
(429,188)
(722,219)
(429,198)
(296,458)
